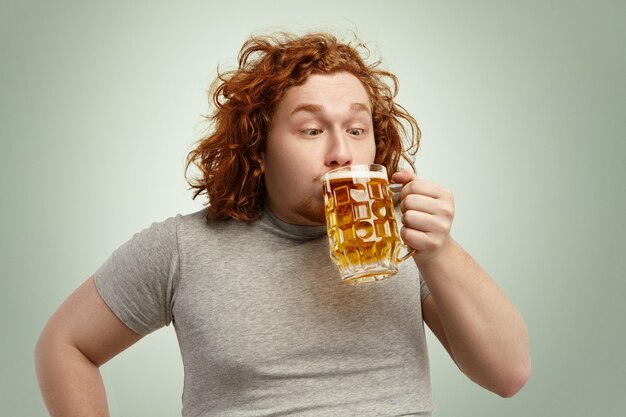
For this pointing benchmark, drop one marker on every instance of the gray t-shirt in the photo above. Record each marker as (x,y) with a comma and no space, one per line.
(265,326)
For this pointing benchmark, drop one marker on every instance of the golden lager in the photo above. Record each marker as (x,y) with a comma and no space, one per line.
(361,223)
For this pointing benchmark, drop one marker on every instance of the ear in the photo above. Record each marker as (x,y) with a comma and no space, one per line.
(262,162)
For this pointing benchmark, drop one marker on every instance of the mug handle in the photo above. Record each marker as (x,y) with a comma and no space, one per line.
(395,189)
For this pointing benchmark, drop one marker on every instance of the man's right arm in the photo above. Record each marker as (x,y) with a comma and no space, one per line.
(79,337)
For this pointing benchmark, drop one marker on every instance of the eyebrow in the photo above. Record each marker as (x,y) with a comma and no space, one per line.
(316,108)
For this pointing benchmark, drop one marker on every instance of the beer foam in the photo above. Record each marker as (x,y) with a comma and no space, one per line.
(354,174)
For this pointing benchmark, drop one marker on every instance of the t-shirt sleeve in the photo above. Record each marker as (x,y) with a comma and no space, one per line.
(137,280)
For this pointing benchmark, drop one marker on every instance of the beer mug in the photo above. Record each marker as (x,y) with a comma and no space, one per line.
(361,223)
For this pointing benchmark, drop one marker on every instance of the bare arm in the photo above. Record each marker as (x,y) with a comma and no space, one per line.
(474,320)
(80,336)
(481,329)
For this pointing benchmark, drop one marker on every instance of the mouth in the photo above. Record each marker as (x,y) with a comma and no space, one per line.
(319,177)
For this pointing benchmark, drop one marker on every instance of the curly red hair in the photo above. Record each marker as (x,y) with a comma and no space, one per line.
(229,155)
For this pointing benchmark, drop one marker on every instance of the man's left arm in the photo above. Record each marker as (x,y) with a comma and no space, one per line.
(475,321)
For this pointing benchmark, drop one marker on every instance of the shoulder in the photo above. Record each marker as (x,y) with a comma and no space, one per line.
(198,222)
(194,231)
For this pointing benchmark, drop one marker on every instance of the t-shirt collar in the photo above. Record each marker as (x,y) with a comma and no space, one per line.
(294,231)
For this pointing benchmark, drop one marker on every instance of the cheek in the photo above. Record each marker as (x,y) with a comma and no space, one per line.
(373,151)
(285,175)
(366,153)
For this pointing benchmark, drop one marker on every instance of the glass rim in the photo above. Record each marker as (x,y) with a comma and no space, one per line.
(364,168)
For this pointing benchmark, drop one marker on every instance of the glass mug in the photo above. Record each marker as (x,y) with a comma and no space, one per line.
(361,223)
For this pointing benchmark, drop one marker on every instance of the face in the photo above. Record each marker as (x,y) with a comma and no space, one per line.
(320,125)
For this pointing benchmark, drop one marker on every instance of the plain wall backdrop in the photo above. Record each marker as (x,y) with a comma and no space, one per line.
(522,110)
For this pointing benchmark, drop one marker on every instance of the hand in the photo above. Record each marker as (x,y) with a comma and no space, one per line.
(427,214)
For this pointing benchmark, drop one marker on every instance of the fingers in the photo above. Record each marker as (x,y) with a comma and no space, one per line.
(424,187)
(403,177)
(424,243)
(426,223)
(420,203)
(427,214)
(414,185)
(427,197)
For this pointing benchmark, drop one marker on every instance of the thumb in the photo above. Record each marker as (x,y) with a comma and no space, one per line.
(402,177)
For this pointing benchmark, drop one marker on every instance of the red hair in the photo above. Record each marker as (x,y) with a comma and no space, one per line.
(229,155)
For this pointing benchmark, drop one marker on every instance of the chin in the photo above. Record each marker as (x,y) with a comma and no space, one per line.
(312,209)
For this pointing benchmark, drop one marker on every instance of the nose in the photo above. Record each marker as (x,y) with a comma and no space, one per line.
(338,152)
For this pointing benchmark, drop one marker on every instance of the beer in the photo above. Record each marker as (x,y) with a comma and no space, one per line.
(361,223)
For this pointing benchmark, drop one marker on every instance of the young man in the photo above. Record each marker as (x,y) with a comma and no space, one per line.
(264,325)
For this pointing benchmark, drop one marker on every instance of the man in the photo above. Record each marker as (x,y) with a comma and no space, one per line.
(263,323)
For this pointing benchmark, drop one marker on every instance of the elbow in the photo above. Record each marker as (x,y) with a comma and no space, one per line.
(505,380)
(513,383)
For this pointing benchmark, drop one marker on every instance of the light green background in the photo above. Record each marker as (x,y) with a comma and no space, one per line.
(522,106)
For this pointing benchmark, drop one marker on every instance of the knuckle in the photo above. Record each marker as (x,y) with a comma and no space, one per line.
(439,225)
(430,245)
(409,217)
(405,234)
(448,195)
(412,200)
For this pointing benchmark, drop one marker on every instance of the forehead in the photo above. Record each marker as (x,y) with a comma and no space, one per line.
(339,88)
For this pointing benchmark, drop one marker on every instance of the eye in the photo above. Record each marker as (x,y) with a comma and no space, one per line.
(356,131)
(312,132)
